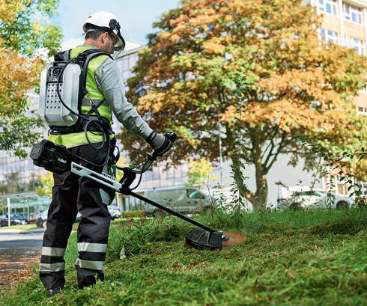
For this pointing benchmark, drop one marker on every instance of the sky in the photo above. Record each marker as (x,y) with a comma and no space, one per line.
(135,16)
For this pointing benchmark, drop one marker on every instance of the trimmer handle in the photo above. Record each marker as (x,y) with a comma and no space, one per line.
(167,145)
(171,136)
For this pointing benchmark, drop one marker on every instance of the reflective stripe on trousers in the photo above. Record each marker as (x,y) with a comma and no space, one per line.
(90,264)
(52,259)
(92,247)
(70,195)
(50,251)
(91,256)
(53,267)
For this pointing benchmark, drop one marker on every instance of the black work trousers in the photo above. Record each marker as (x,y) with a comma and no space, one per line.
(72,194)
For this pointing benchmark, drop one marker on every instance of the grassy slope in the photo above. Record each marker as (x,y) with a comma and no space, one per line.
(289,258)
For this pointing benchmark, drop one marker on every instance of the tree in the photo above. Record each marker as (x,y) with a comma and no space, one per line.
(257,70)
(23,31)
(46,183)
(12,183)
(200,172)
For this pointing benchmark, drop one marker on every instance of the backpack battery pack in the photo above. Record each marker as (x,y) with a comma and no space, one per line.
(62,89)
(60,79)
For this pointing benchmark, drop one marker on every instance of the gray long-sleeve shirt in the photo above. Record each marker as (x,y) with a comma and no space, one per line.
(110,82)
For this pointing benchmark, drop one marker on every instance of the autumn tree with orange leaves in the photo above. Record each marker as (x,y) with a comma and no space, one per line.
(256,70)
(22,33)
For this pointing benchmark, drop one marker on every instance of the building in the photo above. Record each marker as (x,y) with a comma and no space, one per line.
(345,23)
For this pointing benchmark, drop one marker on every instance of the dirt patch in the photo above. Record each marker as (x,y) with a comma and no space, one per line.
(16,267)
(235,238)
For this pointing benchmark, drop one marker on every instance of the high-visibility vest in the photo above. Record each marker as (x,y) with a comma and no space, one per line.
(93,96)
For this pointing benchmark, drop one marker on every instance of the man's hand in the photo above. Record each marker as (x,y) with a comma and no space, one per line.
(161,143)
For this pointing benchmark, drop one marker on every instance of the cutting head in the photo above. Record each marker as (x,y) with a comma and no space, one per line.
(201,239)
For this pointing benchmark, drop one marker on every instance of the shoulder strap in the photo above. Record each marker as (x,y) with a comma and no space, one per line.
(83,60)
(63,56)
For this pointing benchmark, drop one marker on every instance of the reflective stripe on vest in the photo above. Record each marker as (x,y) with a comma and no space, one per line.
(76,139)
(94,94)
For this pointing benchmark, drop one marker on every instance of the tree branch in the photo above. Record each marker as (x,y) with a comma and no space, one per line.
(272,146)
(282,144)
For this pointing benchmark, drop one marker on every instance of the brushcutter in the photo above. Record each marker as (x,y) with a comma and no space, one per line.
(56,158)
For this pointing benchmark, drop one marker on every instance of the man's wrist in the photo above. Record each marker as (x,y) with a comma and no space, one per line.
(151,137)
(156,140)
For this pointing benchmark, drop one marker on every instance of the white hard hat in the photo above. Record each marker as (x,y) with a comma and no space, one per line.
(105,21)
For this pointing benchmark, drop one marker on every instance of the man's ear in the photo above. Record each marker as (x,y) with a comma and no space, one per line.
(103,37)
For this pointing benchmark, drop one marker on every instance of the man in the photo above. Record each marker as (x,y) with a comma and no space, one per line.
(71,193)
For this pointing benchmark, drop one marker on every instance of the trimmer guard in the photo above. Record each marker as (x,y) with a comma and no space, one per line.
(202,239)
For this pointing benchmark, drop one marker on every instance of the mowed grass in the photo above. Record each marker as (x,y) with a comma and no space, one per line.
(18,228)
(289,258)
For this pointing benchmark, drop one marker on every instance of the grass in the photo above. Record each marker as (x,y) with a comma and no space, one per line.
(289,258)
(19,228)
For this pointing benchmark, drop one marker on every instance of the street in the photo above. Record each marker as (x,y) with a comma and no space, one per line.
(18,253)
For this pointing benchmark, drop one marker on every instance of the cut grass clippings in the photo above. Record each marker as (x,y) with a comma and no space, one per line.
(288,258)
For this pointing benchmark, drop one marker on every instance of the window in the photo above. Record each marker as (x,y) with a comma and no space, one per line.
(362,110)
(328,36)
(328,6)
(352,13)
(357,44)
(354,43)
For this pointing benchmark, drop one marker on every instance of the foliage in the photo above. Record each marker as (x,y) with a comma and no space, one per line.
(24,31)
(46,184)
(14,184)
(257,70)
(200,172)
(292,258)
(27,29)
(121,163)
(19,132)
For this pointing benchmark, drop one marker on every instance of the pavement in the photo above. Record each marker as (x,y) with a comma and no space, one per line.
(18,254)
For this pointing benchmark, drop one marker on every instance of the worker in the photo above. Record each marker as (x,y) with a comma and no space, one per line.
(72,194)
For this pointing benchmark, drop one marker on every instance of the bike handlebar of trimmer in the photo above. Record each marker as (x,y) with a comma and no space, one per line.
(152,157)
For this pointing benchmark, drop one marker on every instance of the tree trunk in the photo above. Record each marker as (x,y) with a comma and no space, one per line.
(261,194)
(259,197)
(240,179)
